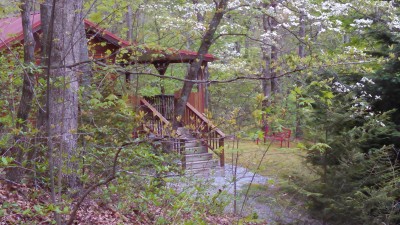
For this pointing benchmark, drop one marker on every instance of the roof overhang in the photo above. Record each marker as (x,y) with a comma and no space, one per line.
(11,32)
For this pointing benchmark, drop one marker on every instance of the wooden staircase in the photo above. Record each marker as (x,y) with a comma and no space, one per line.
(195,156)
(199,142)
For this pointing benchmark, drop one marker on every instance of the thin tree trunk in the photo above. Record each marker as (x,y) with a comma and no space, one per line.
(302,54)
(302,34)
(200,17)
(29,58)
(47,22)
(45,17)
(25,105)
(129,35)
(84,70)
(270,85)
(274,80)
(266,54)
(129,23)
(270,25)
(196,64)
(266,84)
(346,38)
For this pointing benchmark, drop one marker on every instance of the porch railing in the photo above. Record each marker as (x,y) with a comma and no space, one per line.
(163,104)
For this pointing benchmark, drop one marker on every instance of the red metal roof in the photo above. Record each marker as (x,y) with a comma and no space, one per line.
(11,32)
(11,29)
(105,33)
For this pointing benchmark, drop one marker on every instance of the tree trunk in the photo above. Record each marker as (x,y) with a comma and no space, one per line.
(196,64)
(84,70)
(346,38)
(266,83)
(68,47)
(129,23)
(302,34)
(302,54)
(266,70)
(45,17)
(25,104)
(200,17)
(274,58)
(270,55)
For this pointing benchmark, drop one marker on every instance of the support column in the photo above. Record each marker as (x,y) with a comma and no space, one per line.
(161,68)
(206,88)
(202,88)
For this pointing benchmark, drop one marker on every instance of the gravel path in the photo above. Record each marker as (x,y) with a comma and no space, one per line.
(243,177)
(265,205)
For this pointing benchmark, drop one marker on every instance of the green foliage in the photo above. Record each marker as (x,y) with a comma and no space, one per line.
(355,159)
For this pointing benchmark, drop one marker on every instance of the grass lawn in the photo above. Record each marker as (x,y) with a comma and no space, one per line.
(280,163)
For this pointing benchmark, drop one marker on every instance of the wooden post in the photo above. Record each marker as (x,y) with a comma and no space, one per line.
(206,87)
(222,153)
(182,153)
(201,88)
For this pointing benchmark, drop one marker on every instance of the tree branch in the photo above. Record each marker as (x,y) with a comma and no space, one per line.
(252,77)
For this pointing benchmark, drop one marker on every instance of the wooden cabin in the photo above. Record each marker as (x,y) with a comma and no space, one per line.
(199,142)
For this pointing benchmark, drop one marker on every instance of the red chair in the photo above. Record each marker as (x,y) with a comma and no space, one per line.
(283,136)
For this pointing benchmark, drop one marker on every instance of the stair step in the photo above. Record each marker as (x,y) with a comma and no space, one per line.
(195,150)
(184,132)
(206,172)
(198,157)
(192,142)
(201,164)
(198,172)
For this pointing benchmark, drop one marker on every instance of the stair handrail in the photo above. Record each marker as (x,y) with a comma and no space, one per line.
(204,119)
(159,123)
(215,137)
(155,112)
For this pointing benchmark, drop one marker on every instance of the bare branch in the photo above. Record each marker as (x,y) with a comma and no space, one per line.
(123,71)
(241,34)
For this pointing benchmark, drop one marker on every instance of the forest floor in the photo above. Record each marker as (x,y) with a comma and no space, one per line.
(267,201)
(24,205)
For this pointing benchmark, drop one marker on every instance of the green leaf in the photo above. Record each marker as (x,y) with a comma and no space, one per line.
(96,17)
(111,97)
(328,94)
(6,160)
(26,212)
(38,209)
(65,210)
